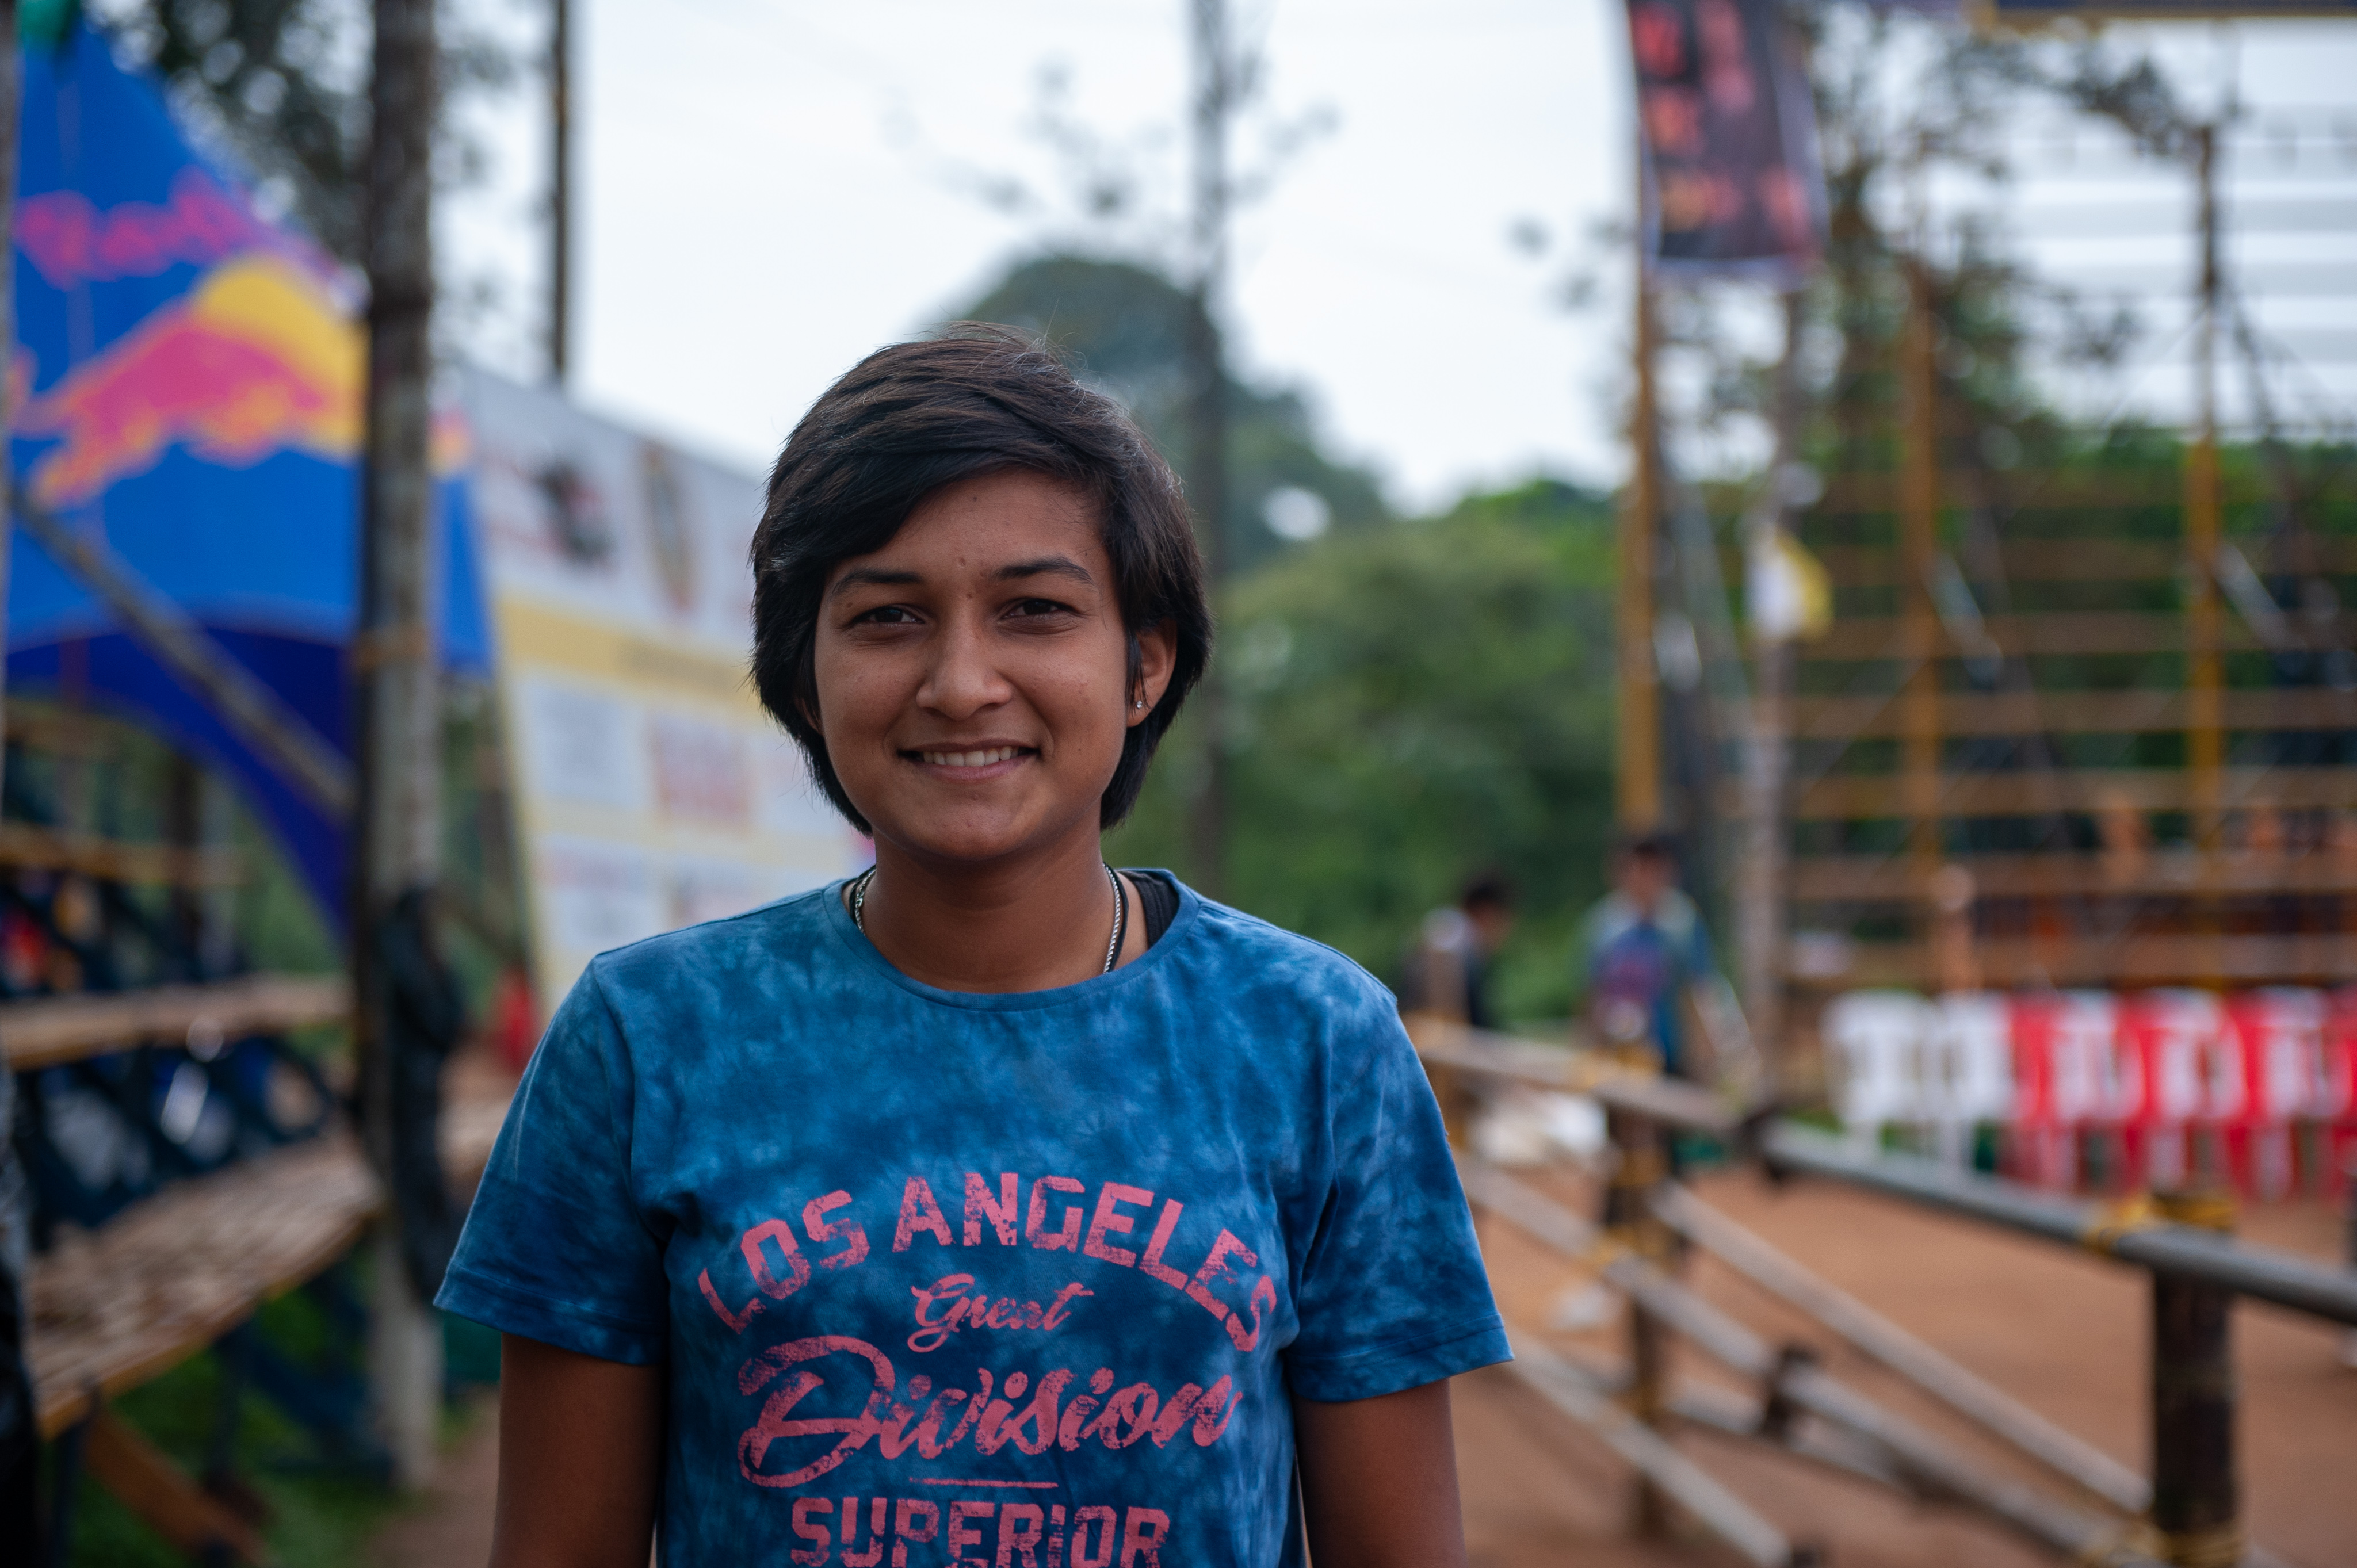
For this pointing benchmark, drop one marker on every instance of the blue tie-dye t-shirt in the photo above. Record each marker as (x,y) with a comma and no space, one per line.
(1024,1280)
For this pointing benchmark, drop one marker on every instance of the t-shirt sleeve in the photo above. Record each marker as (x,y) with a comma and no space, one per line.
(555,1248)
(1392,1291)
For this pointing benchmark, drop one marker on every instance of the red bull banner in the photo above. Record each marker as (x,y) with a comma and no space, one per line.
(1732,187)
(187,383)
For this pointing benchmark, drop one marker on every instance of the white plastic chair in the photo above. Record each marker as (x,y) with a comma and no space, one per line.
(1874,1055)
(1968,1070)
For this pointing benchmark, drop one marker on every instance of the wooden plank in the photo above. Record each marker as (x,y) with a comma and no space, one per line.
(2036,792)
(2029,489)
(115,1308)
(2073,633)
(114,860)
(2321,959)
(2130,711)
(45,1031)
(159,1492)
(1875,879)
(2086,560)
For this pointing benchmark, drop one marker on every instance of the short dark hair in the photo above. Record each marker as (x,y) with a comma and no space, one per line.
(973,399)
(1647,844)
(1488,889)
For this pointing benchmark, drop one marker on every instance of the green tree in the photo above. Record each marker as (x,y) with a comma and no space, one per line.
(284,83)
(1123,327)
(1411,703)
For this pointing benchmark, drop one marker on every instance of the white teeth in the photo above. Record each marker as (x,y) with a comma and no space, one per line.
(968,758)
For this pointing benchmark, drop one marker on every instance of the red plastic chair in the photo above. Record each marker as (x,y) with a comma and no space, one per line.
(2338,1113)
(2066,1073)
(2172,1037)
(2280,1030)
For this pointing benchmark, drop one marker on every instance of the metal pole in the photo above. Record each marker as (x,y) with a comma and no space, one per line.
(399,712)
(1919,526)
(1207,410)
(560,190)
(1761,910)
(1640,727)
(2195,1504)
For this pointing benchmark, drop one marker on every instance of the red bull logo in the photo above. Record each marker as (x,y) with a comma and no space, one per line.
(255,359)
(71,242)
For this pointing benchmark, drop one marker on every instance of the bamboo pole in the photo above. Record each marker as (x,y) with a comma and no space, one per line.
(1669,1473)
(2204,740)
(1919,526)
(1928,1464)
(248,707)
(1639,738)
(1997,1414)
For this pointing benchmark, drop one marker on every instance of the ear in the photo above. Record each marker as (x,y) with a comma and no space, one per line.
(1158,655)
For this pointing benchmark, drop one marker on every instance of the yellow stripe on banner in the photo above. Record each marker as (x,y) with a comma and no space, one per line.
(530,635)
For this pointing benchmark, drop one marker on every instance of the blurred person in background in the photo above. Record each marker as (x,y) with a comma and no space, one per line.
(1651,979)
(1447,967)
(785,1230)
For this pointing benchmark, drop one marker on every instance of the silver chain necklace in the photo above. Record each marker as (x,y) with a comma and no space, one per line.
(1112,946)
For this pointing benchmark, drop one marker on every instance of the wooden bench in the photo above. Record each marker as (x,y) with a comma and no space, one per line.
(36,848)
(181,1269)
(173,1274)
(49,1031)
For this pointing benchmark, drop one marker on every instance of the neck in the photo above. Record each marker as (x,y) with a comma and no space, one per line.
(1032,924)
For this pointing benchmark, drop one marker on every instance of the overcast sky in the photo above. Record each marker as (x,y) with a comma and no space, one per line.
(770,189)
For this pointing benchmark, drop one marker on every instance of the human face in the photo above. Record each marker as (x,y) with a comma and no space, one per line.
(973,674)
(1644,878)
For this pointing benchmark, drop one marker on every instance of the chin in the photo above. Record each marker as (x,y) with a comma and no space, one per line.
(960,836)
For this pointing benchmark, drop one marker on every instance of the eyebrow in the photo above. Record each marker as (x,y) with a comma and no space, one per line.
(1014,571)
(1045,566)
(860,575)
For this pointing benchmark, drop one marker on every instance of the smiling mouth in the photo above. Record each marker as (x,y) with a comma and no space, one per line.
(986,757)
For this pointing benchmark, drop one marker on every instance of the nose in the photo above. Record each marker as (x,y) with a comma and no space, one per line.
(963,679)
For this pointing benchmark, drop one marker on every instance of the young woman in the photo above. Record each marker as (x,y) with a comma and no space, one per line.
(993,1207)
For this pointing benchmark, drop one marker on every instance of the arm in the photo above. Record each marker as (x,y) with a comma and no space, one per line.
(1379,1480)
(581,1457)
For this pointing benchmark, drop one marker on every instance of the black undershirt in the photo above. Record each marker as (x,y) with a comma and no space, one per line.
(1157,902)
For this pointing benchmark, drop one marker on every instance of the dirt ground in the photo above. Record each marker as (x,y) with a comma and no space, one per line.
(2065,1332)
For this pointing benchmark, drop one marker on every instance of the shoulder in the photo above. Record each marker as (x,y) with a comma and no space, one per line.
(761,945)
(1609,917)
(1678,916)
(1249,962)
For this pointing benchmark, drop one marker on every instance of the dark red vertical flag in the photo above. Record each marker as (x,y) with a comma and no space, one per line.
(1732,187)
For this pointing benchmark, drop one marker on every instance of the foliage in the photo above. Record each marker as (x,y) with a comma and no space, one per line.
(284,83)
(1124,326)
(319,1514)
(1409,704)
